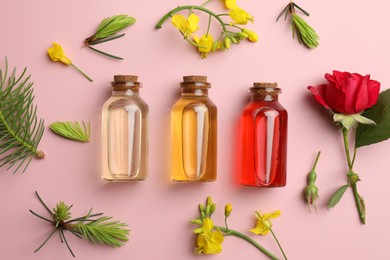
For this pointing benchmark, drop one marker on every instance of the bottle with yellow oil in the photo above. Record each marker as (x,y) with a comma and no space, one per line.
(194,133)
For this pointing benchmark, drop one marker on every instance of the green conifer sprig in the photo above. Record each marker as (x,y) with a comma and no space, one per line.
(20,128)
(72,130)
(93,226)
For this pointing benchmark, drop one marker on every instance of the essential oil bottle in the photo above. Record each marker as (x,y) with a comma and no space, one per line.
(263,138)
(194,133)
(125,132)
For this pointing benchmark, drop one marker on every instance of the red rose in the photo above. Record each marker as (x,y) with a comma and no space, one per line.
(347,93)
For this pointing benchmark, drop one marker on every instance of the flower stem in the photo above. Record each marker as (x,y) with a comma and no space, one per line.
(358,200)
(231,232)
(346,148)
(277,241)
(85,75)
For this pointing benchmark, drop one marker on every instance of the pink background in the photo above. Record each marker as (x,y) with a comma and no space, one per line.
(353,38)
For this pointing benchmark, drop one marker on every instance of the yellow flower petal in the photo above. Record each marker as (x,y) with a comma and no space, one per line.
(274,214)
(209,241)
(205,44)
(186,26)
(252,36)
(56,53)
(263,223)
(230,4)
(240,16)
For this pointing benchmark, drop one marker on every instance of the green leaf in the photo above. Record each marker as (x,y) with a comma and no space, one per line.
(72,130)
(380,114)
(337,196)
(20,129)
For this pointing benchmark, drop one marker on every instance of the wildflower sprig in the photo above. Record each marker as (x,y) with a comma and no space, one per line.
(56,53)
(107,31)
(210,237)
(93,227)
(231,32)
(303,31)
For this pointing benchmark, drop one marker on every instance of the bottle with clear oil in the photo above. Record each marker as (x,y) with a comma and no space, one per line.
(263,138)
(125,132)
(194,133)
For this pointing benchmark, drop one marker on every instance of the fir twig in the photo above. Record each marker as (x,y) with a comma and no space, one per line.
(72,130)
(20,129)
(96,230)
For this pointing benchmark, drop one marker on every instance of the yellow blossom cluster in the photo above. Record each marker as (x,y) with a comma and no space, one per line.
(231,32)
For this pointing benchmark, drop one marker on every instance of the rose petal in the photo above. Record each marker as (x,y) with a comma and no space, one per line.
(319,93)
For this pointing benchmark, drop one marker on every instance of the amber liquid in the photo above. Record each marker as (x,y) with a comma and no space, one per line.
(263,144)
(194,140)
(124,139)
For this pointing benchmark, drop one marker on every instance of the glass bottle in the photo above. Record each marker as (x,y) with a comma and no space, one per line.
(194,133)
(125,132)
(263,138)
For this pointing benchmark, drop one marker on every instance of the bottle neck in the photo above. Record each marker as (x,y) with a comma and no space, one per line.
(264,97)
(125,92)
(194,92)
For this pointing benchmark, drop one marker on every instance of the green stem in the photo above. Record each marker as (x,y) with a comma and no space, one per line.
(189,7)
(205,3)
(358,201)
(316,161)
(248,239)
(98,41)
(277,241)
(346,148)
(85,75)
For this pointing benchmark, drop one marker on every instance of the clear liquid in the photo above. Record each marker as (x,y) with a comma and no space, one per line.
(125,139)
(194,140)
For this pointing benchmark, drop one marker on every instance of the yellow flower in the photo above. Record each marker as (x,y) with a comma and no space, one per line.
(186,26)
(230,4)
(252,36)
(209,241)
(56,53)
(205,44)
(240,16)
(263,224)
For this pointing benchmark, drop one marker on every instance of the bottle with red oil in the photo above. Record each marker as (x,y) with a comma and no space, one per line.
(263,144)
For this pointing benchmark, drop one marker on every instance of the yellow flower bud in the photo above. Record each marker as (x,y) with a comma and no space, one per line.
(228,209)
(226,43)
(252,36)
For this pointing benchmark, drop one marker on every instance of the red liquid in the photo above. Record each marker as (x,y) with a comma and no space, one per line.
(263,144)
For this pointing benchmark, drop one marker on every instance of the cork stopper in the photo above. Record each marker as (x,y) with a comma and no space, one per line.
(125,78)
(195,78)
(265,87)
(125,82)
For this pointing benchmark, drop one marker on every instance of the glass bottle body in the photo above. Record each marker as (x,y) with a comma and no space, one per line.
(263,142)
(194,138)
(125,137)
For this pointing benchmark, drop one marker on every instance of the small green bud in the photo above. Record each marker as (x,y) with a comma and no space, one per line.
(212,208)
(215,46)
(234,40)
(196,221)
(242,35)
(198,230)
(201,208)
(208,209)
(209,201)
(226,43)
(311,190)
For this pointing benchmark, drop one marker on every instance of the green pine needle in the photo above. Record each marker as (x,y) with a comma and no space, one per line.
(107,31)
(20,128)
(110,26)
(93,227)
(305,32)
(72,130)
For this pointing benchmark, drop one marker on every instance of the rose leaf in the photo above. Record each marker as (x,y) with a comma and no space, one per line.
(380,114)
